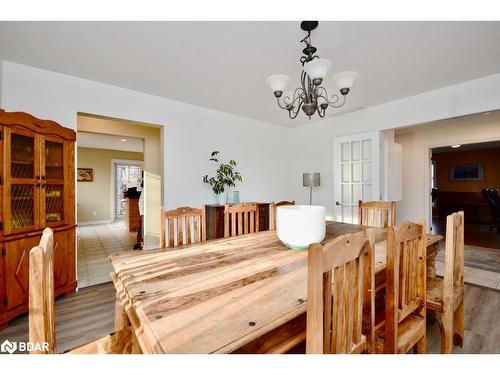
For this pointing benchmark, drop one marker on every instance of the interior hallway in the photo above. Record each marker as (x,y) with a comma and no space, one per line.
(95,244)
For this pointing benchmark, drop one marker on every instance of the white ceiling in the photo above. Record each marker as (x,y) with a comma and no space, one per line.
(109,142)
(222,65)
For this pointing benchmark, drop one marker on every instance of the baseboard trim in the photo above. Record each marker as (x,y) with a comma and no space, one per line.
(97,222)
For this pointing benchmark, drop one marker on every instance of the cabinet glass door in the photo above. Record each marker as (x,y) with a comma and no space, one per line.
(52,182)
(21,184)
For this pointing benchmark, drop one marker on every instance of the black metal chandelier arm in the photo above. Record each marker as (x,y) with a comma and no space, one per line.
(287,101)
(333,101)
(294,111)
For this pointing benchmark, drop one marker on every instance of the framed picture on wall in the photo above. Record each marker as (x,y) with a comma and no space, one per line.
(466,172)
(85,175)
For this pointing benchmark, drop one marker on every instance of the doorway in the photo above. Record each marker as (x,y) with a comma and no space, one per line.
(127,177)
(459,175)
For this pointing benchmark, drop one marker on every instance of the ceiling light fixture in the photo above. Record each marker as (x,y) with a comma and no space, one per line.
(311,96)
(123,140)
(456,146)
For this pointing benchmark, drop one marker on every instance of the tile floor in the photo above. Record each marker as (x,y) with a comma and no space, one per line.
(95,244)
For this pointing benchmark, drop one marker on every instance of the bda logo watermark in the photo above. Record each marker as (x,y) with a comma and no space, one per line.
(11,346)
(8,347)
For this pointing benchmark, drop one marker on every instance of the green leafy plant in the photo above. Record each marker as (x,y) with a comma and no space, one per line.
(225,174)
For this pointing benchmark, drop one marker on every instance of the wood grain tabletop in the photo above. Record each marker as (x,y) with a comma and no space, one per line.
(217,296)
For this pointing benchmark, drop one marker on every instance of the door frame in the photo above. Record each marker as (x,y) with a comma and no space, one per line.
(376,167)
(115,162)
(427,155)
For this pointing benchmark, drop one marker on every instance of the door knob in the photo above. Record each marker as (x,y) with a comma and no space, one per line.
(338,203)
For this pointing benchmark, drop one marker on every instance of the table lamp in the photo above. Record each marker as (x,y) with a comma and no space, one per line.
(310,180)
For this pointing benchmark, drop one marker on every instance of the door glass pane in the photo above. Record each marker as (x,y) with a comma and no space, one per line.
(22,206)
(346,193)
(367,192)
(367,171)
(356,172)
(54,203)
(367,149)
(22,156)
(356,193)
(54,161)
(346,172)
(356,150)
(345,151)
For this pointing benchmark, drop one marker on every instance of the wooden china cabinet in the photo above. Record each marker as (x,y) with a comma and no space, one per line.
(37,186)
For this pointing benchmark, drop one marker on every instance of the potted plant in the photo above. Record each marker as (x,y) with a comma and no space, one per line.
(225,176)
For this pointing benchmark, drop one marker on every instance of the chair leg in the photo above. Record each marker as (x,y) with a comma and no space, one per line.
(447,333)
(458,326)
(422,345)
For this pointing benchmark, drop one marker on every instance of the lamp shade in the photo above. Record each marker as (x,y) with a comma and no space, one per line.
(345,80)
(317,68)
(278,82)
(311,179)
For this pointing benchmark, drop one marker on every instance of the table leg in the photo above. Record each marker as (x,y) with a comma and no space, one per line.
(431,260)
(121,318)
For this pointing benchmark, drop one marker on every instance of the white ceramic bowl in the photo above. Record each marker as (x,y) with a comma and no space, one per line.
(299,226)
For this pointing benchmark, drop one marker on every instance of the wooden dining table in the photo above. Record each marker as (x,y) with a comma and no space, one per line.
(245,294)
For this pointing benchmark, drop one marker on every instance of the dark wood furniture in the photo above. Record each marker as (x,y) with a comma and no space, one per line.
(132,215)
(474,205)
(215,219)
(37,185)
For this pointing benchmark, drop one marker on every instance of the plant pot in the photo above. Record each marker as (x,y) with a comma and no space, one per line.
(221,198)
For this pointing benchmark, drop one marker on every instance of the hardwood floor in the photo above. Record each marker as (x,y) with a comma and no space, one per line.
(89,314)
(476,234)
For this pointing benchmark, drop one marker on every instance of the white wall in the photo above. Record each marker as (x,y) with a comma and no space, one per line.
(416,143)
(271,158)
(190,132)
(313,143)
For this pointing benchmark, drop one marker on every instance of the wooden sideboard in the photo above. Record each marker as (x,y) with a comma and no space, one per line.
(132,215)
(215,219)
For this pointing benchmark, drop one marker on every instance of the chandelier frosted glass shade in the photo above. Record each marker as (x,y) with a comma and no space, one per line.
(317,68)
(278,82)
(345,80)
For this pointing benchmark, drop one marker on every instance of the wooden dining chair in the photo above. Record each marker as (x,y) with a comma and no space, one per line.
(446,296)
(273,206)
(185,226)
(377,214)
(404,324)
(42,309)
(242,218)
(335,291)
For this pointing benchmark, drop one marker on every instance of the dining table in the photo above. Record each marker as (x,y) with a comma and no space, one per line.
(244,294)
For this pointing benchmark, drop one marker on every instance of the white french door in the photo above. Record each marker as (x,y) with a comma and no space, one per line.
(356,173)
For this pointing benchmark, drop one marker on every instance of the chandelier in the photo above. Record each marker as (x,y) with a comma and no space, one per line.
(311,96)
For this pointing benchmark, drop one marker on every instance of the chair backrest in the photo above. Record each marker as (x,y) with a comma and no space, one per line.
(377,214)
(335,283)
(493,199)
(41,295)
(273,206)
(185,225)
(405,278)
(453,257)
(242,218)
